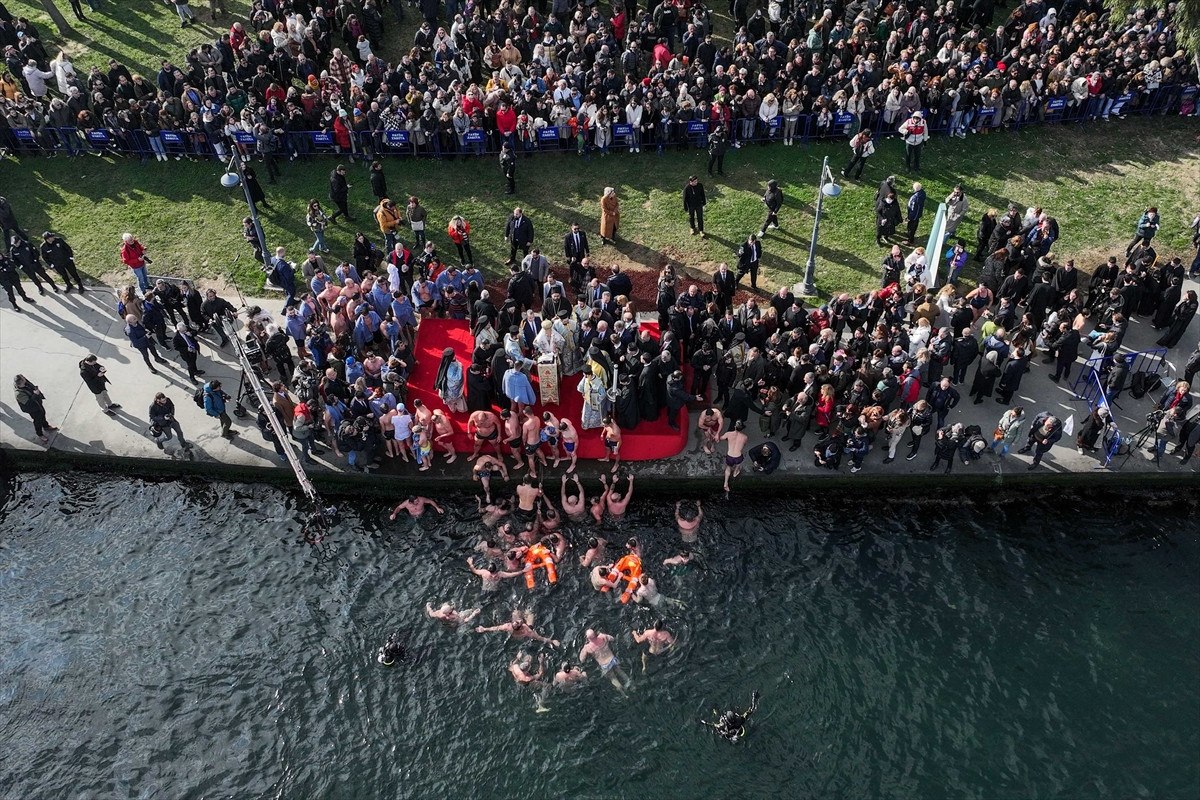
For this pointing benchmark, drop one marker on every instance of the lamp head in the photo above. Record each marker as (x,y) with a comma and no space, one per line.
(230,179)
(831,190)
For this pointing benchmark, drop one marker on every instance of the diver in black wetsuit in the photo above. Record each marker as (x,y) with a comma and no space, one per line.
(732,724)
(392,651)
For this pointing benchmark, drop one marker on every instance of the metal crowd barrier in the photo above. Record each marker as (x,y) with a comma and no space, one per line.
(1148,361)
(367,145)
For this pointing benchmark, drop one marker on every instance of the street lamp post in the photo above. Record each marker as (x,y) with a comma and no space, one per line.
(826,188)
(232,177)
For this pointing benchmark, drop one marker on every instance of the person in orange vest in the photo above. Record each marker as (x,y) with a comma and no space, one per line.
(538,556)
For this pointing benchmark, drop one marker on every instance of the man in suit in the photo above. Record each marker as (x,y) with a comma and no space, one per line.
(595,291)
(575,244)
(619,283)
(724,285)
(749,254)
(531,326)
(607,306)
(519,234)
(694,202)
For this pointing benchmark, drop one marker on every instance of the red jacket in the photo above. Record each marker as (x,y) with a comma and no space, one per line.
(506,120)
(133,254)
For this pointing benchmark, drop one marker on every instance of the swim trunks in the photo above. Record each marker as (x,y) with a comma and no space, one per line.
(569,447)
(514,443)
(530,449)
(487,438)
(608,667)
(484,474)
(611,445)
(733,461)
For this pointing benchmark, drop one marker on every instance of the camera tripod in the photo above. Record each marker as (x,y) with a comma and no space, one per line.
(1138,439)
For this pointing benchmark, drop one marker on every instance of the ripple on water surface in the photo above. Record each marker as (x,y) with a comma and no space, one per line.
(175,640)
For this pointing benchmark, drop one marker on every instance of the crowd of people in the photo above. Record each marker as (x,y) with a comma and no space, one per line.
(476,78)
(861,372)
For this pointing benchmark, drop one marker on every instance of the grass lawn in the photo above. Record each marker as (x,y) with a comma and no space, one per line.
(1094,179)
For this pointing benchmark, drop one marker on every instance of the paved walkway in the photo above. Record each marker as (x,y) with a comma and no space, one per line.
(46,342)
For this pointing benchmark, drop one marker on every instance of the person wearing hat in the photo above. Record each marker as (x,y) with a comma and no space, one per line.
(915,133)
(59,255)
(773,200)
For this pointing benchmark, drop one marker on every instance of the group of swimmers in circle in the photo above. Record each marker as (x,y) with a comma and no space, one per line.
(525,538)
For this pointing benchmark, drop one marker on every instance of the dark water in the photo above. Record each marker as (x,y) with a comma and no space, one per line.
(171,640)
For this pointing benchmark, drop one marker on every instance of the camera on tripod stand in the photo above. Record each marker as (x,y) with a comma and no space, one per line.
(1155,416)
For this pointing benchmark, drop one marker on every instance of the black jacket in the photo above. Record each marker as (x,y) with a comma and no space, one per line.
(519,230)
(339,188)
(571,251)
(693,197)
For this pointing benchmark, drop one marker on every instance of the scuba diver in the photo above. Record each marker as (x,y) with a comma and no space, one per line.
(732,724)
(391,652)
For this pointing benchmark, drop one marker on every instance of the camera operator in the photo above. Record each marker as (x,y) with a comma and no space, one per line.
(162,416)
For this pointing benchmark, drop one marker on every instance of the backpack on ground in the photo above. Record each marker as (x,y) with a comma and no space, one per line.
(1143,383)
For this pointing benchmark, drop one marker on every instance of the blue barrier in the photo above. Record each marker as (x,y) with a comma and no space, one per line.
(681,133)
(1148,361)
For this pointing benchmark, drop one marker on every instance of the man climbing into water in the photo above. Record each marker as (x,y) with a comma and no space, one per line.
(415,506)
(598,648)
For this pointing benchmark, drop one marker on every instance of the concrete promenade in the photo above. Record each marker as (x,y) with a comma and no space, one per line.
(46,342)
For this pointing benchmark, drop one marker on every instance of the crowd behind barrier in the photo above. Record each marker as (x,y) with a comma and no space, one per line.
(370,145)
(297,79)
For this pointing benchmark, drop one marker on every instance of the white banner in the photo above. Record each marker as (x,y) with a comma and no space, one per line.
(933,248)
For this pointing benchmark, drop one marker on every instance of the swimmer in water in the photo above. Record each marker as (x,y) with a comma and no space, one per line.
(415,506)
(519,630)
(492,512)
(617,503)
(558,543)
(520,669)
(449,615)
(688,523)
(573,505)
(647,593)
(491,578)
(634,547)
(548,518)
(600,502)
(595,551)
(732,724)
(604,576)
(490,549)
(598,648)
(657,638)
(391,652)
(568,677)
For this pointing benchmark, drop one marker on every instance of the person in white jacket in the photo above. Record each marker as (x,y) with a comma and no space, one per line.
(36,78)
(915,132)
(64,73)
(767,111)
(633,116)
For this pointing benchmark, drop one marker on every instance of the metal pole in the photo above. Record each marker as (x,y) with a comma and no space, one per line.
(810,286)
(236,163)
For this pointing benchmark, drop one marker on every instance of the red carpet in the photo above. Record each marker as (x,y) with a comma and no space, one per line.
(647,441)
